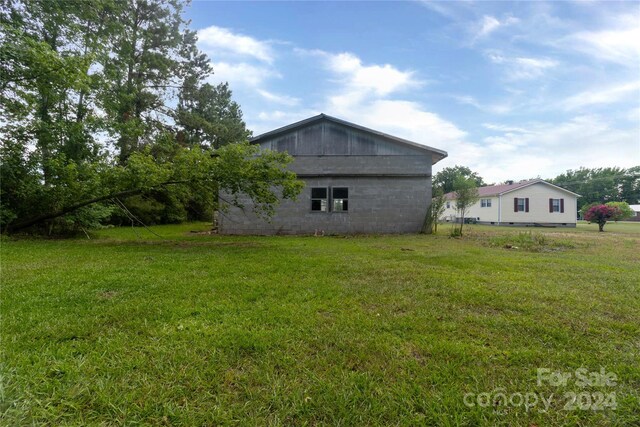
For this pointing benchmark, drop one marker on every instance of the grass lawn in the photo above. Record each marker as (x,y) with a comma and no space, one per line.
(192,329)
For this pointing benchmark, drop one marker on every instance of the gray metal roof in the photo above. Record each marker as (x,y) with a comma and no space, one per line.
(437,154)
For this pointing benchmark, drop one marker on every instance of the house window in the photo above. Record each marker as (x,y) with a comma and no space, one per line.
(448,205)
(319,202)
(556,205)
(521,204)
(485,203)
(340,196)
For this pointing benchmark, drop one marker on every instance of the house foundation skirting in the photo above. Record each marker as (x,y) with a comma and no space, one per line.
(529,224)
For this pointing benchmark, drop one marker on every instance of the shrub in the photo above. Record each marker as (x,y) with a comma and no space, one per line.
(600,214)
(624,210)
(455,232)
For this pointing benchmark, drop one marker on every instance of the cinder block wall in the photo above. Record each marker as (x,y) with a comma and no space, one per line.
(376,205)
(389,184)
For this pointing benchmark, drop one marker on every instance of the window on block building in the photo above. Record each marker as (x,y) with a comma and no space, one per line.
(319,199)
(340,196)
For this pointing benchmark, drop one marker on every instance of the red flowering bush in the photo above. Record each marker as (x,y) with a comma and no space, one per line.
(600,214)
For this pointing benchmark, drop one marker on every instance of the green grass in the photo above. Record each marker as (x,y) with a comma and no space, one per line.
(193,329)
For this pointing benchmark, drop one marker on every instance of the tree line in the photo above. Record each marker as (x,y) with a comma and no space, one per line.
(602,185)
(106,116)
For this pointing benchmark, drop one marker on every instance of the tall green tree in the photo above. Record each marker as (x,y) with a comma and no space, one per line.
(86,90)
(208,116)
(47,133)
(447,177)
(466,193)
(154,55)
(630,186)
(601,185)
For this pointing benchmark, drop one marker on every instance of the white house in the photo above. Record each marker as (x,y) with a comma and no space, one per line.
(534,202)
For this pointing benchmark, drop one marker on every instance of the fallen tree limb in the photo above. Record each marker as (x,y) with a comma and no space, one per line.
(20,225)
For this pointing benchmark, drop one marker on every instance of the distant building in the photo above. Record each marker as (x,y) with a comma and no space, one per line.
(636,211)
(358,180)
(534,202)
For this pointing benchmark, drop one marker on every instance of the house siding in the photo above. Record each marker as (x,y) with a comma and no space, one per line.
(502,207)
(486,214)
(539,195)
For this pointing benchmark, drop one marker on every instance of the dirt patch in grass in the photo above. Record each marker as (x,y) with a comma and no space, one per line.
(201,233)
(532,242)
(107,295)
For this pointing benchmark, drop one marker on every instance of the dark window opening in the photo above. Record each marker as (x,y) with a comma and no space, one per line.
(340,196)
(319,202)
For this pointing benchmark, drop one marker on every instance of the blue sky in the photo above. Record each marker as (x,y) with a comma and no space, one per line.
(512,90)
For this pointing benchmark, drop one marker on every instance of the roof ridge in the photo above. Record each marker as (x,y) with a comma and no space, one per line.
(506,188)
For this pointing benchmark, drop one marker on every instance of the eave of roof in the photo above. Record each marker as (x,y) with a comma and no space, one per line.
(438,154)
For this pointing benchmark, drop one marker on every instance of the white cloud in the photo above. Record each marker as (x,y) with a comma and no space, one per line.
(380,79)
(440,7)
(241,60)
(522,68)
(273,119)
(363,97)
(241,74)
(544,149)
(495,108)
(619,44)
(402,118)
(603,96)
(217,41)
(489,24)
(284,118)
(505,128)
(535,63)
(279,99)
(633,115)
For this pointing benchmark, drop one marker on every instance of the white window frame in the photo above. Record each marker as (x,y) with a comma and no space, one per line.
(485,203)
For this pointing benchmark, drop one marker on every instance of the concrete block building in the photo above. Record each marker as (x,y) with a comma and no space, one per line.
(358,180)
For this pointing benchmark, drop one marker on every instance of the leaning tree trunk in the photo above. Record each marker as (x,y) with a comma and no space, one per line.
(20,225)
